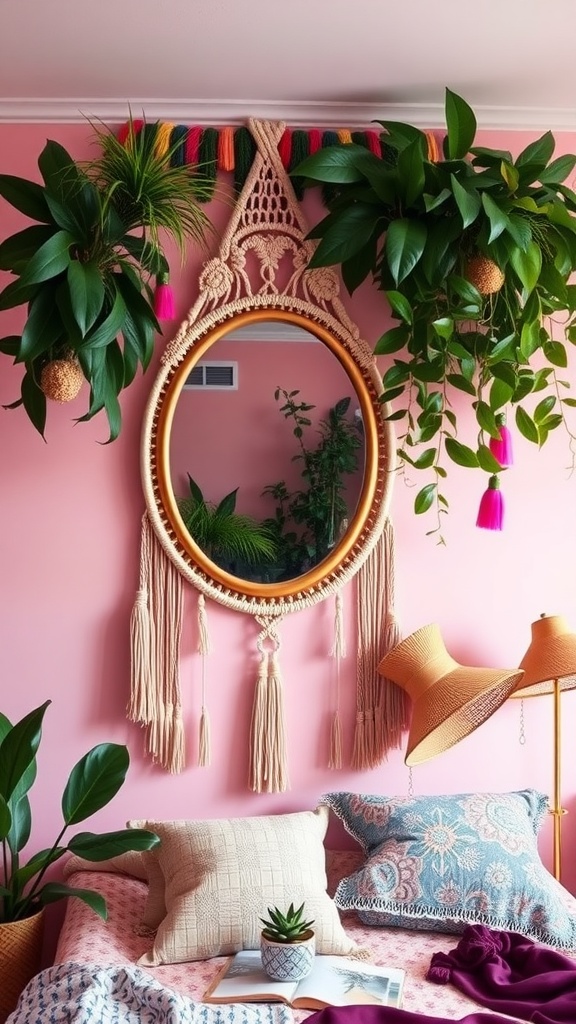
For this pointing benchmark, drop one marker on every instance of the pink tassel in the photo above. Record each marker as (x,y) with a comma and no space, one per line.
(491,511)
(501,447)
(164,305)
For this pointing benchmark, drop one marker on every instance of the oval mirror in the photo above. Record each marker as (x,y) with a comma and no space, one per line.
(266,459)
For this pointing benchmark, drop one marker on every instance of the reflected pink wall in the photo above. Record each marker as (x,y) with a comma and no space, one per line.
(245,440)
(69,538)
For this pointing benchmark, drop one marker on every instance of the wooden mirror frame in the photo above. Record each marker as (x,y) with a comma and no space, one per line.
(267,214)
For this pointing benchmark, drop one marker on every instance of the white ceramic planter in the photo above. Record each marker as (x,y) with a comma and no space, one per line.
(288,961)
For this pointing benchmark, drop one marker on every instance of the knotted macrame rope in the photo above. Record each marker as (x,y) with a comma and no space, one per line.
(155,699)
(381,708)
(268,759)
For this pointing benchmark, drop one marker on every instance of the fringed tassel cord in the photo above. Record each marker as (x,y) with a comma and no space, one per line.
(338,652)
(268,758)
(382,711)
(204,739)
(140,707)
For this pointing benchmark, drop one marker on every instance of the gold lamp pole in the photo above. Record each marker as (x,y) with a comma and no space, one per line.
(550,667)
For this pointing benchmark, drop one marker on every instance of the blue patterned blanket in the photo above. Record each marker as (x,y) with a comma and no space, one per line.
(87,994)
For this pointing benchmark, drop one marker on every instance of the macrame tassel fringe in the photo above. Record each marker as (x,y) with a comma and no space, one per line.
(204,743)
(335,759)
(382,707)
(140,706)
(338,652)
(155,630)
(277,767)
(268,758)
(204,648)
(258,729)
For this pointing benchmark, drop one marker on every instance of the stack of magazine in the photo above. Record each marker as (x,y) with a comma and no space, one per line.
(334,981)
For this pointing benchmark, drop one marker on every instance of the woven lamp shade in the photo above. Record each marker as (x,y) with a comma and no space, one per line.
(550,658)
(449,701)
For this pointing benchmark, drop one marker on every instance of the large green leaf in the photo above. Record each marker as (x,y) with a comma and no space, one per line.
(26,196)
(18,749)
(93,781)
(538,152)
(527,265)
(51,259)
(468,202)
(108,328)
(411,172)
(461,125)
(424,498)
(44,325)
(499,220)
(526,425)
(405,243)
(337,164)
(14,294)
(558,170)
(351,230)
(34,402)
(102,846)
(19,248)
(86,293)
(460,453)
(54,891)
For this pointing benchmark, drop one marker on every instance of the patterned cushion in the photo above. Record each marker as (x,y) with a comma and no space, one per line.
(441,862)
(221,875)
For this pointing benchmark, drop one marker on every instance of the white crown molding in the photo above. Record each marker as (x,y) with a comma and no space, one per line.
(304,113)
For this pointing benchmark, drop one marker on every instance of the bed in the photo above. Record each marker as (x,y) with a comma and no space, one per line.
(432,881)
(84,938)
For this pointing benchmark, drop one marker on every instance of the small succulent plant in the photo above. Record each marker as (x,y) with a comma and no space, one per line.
(288,927)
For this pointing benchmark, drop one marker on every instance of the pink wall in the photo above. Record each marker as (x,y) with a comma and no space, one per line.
(70,515)
(245,441)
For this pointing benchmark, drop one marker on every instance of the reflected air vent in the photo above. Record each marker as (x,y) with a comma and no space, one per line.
(213,376)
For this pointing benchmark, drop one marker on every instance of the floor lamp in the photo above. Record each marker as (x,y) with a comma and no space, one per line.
(449,701)
(550,667)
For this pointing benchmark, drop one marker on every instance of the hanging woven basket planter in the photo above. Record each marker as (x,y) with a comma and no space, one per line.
(484,274)
(61,379)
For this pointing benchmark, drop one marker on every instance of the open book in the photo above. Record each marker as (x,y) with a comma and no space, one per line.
(334,981)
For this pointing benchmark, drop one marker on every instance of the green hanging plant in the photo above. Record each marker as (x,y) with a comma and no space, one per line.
(474,253)
(85,269)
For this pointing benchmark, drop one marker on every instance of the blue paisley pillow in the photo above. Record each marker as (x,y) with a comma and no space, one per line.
(438,863)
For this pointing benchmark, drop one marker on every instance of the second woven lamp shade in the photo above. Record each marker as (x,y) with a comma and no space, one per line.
(449,701)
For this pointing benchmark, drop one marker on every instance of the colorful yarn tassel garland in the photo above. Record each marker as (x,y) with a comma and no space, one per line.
(491,511)
(229,149)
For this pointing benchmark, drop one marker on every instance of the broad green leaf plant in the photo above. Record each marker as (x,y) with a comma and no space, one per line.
(93,782)
(474,252)
(85,268)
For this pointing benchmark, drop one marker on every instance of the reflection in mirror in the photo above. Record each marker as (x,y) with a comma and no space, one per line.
(267,452)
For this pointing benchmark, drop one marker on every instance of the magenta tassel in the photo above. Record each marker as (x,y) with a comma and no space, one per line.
(164,305)
(491,511)
(501,447)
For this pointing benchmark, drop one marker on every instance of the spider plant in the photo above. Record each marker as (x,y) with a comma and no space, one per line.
(86,268)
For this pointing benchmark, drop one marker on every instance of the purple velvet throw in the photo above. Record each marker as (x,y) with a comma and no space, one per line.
(510,974)
(502,971)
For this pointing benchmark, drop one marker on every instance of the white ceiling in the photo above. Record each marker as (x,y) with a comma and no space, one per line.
(309,62)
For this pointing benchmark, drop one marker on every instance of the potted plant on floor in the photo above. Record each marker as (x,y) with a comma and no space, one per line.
(86,268)
(24,888)
(287,944)
(474,252)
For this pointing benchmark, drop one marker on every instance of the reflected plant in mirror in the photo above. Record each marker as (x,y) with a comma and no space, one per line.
(235,542)
(310,520)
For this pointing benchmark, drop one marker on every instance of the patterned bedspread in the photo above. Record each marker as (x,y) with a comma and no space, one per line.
(86,939)
(91,994)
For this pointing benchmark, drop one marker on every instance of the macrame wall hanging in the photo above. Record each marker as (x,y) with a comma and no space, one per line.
(261,271)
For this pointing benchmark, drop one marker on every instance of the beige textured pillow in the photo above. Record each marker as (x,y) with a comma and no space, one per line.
(221,875)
